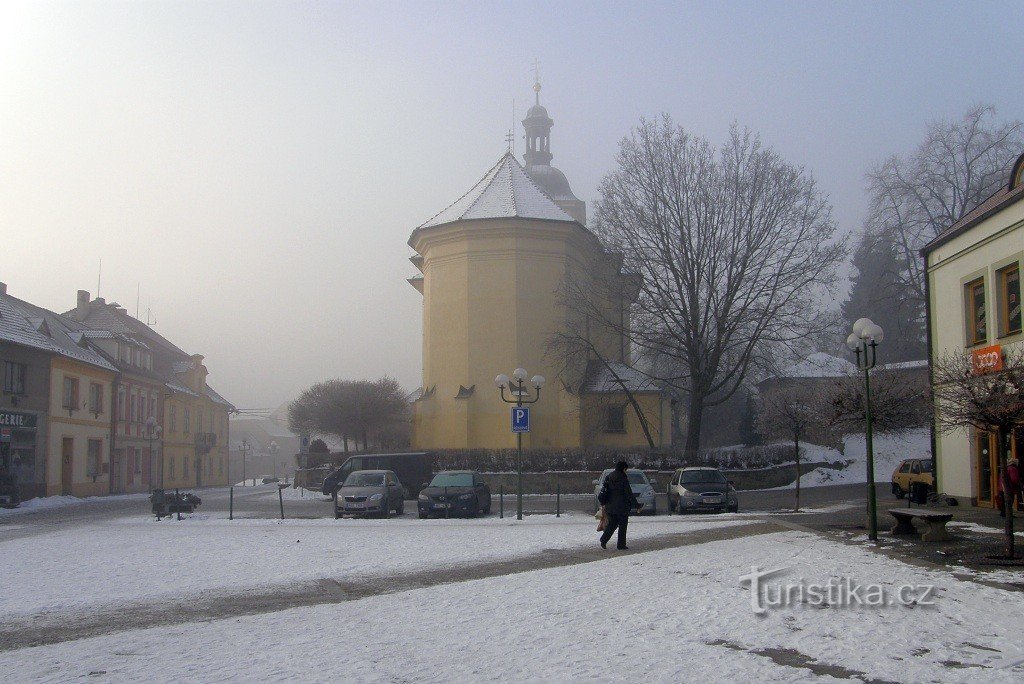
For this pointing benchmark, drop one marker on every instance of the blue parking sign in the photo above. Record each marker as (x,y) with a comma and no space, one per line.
(520,419)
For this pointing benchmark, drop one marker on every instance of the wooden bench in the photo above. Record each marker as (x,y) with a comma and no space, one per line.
(936,520)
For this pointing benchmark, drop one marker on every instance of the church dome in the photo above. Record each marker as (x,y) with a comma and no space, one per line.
(537,111)
(552,181)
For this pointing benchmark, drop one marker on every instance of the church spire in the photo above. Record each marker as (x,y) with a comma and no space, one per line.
(536,80)
(538,127)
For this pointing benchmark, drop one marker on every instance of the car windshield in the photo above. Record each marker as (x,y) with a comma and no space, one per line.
(702,477)
(365,480)
(452,480)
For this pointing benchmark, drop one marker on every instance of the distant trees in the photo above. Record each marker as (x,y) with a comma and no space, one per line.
(878,290)
(987,402)
(351,409)
(898,402)
(732,250)
(792,413)
(957,166)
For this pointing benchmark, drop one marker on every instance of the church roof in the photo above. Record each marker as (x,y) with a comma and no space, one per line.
(506,191)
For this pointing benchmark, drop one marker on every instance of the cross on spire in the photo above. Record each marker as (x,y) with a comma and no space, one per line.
(509,141)
(536,78)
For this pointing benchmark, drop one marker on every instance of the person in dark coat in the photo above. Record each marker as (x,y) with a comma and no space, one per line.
(618,500)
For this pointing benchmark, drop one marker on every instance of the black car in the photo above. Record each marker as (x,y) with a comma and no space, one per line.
(455,493)
(412,468)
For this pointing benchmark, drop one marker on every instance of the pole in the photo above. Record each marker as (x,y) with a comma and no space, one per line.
(501,501)
(280,500)
(177,502)
(519,459)
(231,503)
(558,499)
(872,506)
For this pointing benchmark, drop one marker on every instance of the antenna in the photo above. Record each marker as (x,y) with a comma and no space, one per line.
(138,293)
(513,126)
(99,277)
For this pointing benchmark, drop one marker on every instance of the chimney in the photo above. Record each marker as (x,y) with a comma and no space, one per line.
(82,305)
(3,288)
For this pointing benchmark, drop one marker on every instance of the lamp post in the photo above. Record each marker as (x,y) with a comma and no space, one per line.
(863,342)
(272,449)
(518,392)
(245,448)
(153,431)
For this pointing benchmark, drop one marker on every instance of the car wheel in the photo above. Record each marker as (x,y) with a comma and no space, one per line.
(735,509)
(654,509)
(400,508)
(423,516)
(487,505)
(897,491)
(337,514)
(671,504)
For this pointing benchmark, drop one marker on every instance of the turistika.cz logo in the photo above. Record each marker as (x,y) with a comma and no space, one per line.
(837,592)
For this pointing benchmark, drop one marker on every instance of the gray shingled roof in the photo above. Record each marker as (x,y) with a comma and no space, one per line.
(27,324)
(506,191)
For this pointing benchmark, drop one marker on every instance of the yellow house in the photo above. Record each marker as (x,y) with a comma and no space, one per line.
(494,267)
(195,436)
(973,273)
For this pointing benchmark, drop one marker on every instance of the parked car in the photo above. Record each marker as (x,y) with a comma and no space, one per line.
(455,492)
(910,471)
(643,490)
(370,492)
(701,489)
(414,469)
(9,495)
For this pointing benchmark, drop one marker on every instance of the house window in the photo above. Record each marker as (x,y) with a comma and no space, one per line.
(188,421)
(14,377)
(135,408)
(152,406)
(184,468)
(142,408)
(92,463)
(174,418)
(616,419)
(70,394)
(170,468)
(96,398)
(199,420)
(1009,291)
(138,460)
(120,405)
(977,330)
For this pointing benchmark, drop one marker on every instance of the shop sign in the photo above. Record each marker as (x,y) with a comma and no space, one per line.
(14,419)
(987,359)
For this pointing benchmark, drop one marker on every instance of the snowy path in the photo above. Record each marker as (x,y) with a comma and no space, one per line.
(50,627)
(672,615)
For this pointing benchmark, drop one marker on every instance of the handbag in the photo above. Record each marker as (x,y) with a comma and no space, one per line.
(602,518)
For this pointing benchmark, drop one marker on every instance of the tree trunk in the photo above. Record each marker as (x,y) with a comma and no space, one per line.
(694,415)
(796,442)
(366,442)
(1004,484)
(344,441)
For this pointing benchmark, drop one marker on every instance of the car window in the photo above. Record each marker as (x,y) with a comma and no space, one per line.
(702,477)
(452,480)
(905,468)
(915,467)
(926,466)
(636,477)
(364,479)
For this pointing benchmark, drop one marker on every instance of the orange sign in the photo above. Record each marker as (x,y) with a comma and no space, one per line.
(987,359)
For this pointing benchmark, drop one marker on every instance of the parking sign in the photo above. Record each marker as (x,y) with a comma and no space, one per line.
(520,419)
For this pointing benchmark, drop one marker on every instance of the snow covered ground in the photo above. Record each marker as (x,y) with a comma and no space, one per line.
(889,450)
(138,558)
(51,502)
(678,614)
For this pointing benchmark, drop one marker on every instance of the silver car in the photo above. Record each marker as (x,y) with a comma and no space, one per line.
(701,489)
(643,490)
(370,492)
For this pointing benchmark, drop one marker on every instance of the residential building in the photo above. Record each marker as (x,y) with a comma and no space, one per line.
(189,426)
(58,387)
(973,300)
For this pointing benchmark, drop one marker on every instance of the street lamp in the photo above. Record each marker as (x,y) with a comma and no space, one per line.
(153,431)
(272,449)
(245,448)
(863,342)
(519,397)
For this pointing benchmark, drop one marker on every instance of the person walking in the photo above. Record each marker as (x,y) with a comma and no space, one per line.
(618,500)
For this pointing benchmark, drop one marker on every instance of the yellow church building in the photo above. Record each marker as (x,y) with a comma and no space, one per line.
(494,267)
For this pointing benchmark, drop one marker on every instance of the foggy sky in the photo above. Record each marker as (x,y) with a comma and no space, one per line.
(256,168)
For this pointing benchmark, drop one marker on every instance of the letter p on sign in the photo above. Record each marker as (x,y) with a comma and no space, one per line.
(520,419)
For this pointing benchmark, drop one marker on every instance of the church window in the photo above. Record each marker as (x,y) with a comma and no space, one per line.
(616,419)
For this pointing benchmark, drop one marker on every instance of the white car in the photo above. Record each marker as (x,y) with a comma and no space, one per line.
(643,490)
(701,489)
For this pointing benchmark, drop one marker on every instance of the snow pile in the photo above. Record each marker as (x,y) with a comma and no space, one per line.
(50,502)
(889,450)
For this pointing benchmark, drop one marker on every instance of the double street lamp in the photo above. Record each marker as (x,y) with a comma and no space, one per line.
(519,396)
(153,431)
(863,342)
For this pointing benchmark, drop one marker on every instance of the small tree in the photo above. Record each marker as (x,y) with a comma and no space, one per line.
(791,412)
(898,403)
(987,401)
(350,408)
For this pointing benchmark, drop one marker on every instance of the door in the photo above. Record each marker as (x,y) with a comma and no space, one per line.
(67,461)
(395,490)
(986,470)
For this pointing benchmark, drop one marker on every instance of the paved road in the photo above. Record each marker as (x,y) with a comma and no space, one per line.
(262,502)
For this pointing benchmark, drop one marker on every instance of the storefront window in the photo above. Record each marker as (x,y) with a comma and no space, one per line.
(1010,293)
(92,463)
(14,377)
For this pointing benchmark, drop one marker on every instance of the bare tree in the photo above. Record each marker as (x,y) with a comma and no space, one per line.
(350,408)
(731,249)
(792,412)
(958,166)
(988,402)
(898,402)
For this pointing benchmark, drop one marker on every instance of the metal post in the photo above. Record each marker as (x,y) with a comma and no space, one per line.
(231,503)
(280,500)
(519,458)
(177,502)
(558,499)
(501,501)
(447,504)
(872,505)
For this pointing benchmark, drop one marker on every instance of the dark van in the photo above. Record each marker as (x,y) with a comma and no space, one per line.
(413,469)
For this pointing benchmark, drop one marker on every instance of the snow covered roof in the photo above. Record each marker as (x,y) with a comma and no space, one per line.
(820,365)
(32,326)
(506,191)
(217,399)
(904,365)
(601,379)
